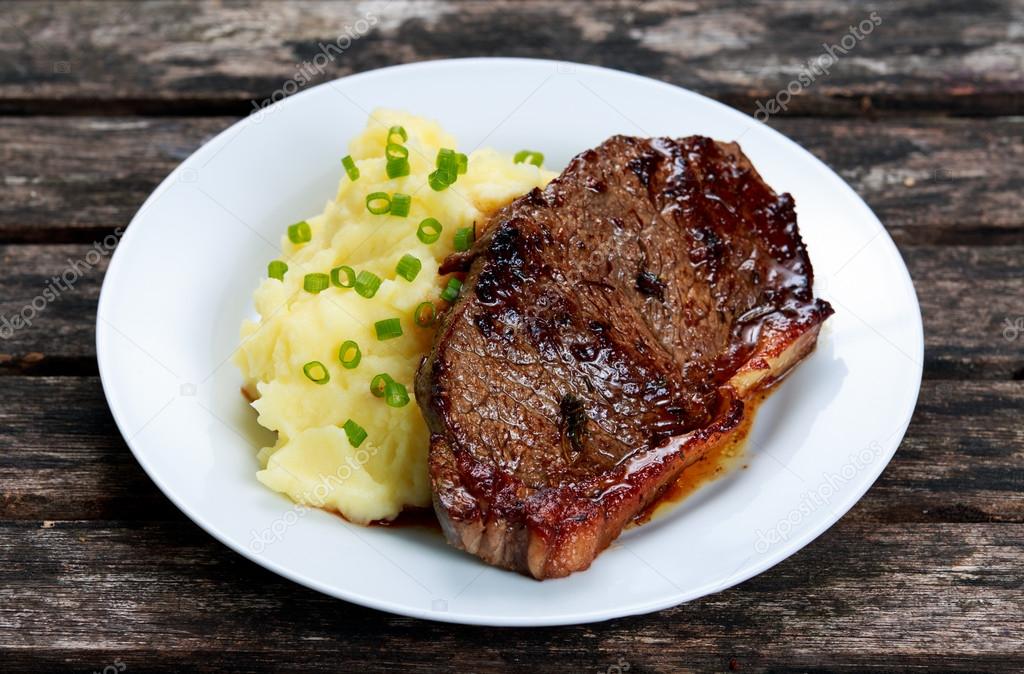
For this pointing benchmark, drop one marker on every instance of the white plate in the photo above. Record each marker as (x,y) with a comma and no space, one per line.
(180,284)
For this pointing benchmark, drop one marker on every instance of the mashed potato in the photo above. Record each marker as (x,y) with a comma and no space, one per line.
(313,461)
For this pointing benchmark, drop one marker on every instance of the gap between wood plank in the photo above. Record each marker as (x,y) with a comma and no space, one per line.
(984,106)
(980,236)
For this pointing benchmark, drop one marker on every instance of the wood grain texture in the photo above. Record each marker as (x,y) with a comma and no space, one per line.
(968,296)
(157,596)
(942,181)
(955,57)
(99,101)
(60,333)
(66,461)
(925,569)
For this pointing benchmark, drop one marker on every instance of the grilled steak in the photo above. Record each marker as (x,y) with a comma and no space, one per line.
(608,332)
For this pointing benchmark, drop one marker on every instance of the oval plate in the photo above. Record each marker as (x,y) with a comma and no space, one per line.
(180,283)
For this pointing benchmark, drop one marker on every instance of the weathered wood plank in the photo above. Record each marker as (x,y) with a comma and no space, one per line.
(944,597)
(79,178)
(510,656)
(61,456)
(929,181)
(117,57)
(37,332)
(74,179)
(972,300)
(926,573)
(969,296)
(960,460)
(65,459)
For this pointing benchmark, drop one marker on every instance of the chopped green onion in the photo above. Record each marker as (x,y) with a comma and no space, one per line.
(438,180)
(354,432)
(424,314)
(277,269)
(400,204)
(349,276)
(350,167)
(314,283)
(529,157)
(448,164)
(462,162)
(316,372)
(389,328)
(397,168)
(349,354)
(429,230)
(464,238)
(367,284)
(300,232)
(396,151)
(451,291)
(400,131)
(446,157)
(379,384)
(408,267)
(396,395)
(378,203)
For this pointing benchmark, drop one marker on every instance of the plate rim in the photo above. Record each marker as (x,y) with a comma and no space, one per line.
(669,599)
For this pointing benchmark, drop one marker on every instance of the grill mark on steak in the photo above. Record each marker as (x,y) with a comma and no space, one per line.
(649,284)
(573,425)
(609,329)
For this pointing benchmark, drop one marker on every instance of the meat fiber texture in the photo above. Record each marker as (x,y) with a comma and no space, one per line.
(612,330)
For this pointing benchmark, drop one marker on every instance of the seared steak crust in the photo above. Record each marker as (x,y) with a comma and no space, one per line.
(609,329)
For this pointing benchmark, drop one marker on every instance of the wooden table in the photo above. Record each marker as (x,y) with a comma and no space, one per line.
(99,101)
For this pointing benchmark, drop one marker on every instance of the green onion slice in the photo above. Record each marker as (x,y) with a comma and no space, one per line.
(354,432)
(451,291)
(300,232)
(314,283)
(350,167)
(399,131)
(379,384)
(349,354)
(397,168)
(429,230)
(400,204)
(462,162)
(396,395)
(396,151)
(378,203)
(438,180)
(464,238)
(367,284)
(528,157)
(446,157)
(276,269)
(343,276)
(448,165)
(424,314)
(316,372)
(409,267)
(389,328)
